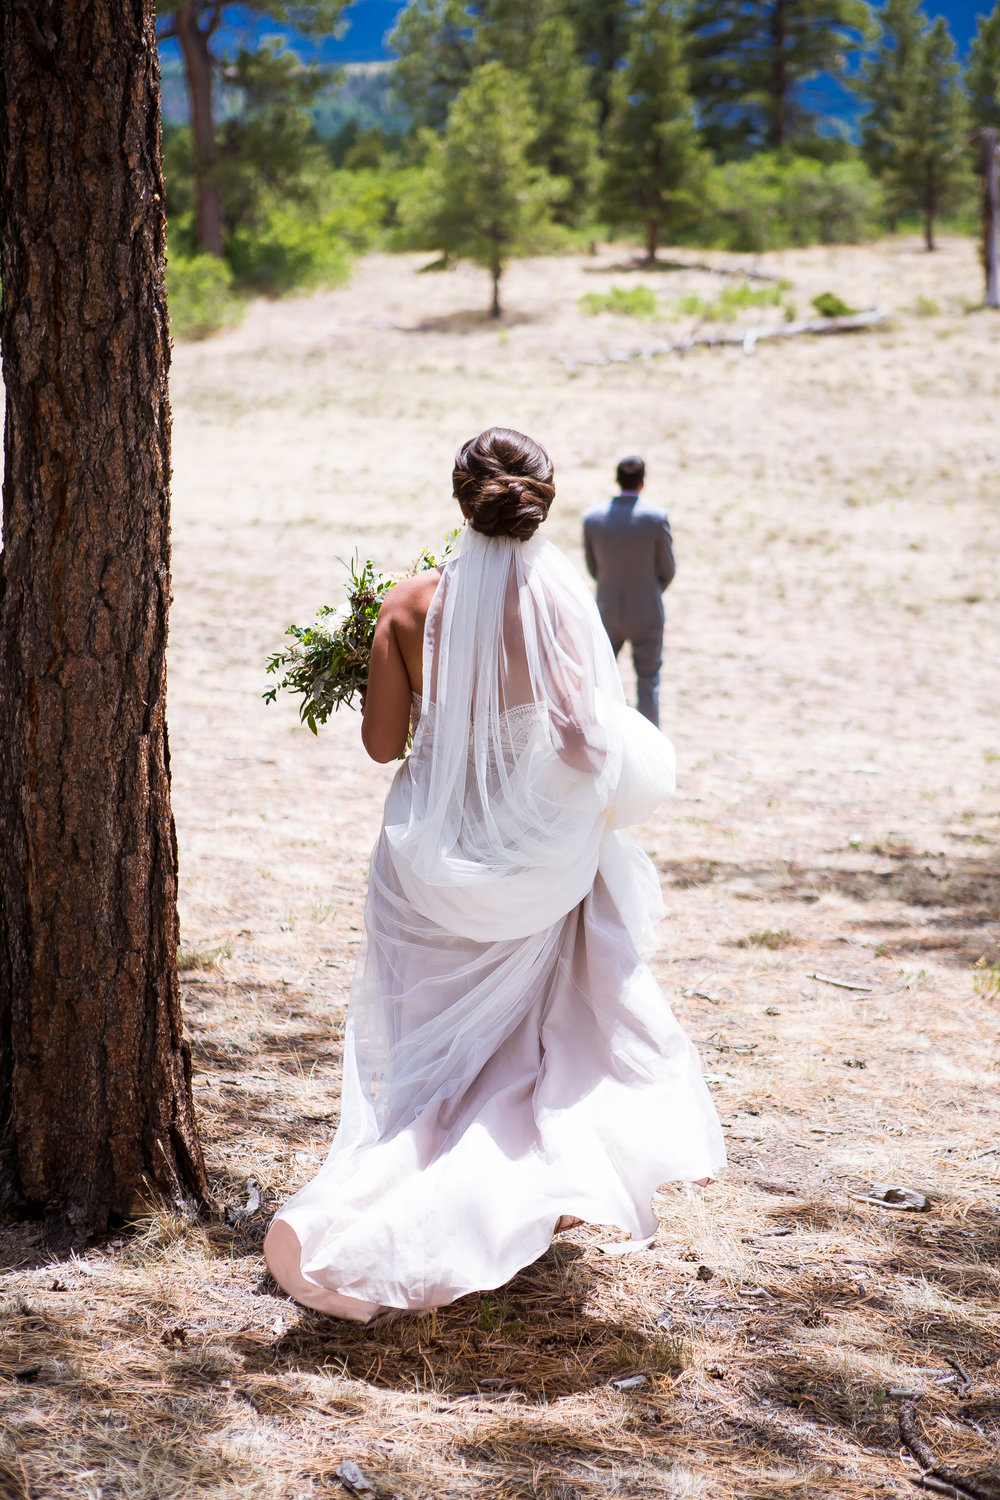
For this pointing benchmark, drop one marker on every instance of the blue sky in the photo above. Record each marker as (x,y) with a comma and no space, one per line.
(369,20)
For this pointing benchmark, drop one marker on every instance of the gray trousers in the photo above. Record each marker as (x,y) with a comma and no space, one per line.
(647,658)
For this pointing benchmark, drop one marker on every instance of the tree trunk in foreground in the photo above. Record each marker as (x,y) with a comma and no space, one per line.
(988,139)
(198,73)
(95,1095)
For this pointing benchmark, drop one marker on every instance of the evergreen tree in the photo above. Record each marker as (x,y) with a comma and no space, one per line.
(750,58)
(928,169)
(483,199)
(885,77)
(566,143)
(441,43)
(437,49)
(918,119)
(96,1117)
(653,161)
(983,76)
(601,31)
(194,24)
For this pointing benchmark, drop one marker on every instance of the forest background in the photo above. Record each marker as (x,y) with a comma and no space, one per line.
(499,129)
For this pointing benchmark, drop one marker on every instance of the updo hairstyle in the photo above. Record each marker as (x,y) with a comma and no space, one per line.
(503,482)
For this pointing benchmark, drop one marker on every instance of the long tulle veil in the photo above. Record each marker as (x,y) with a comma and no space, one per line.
(524,760)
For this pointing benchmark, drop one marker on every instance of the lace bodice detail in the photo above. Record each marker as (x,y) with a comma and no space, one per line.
(519,722)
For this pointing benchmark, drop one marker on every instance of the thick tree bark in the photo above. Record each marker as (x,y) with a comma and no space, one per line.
(95,1096)
(198,73)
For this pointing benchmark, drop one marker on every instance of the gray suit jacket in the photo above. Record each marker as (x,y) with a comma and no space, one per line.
(630,552)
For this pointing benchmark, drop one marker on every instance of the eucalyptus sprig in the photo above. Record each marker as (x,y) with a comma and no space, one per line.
(327,662)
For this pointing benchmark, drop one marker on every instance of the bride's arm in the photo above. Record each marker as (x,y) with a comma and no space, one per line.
(394,668)
(386,713)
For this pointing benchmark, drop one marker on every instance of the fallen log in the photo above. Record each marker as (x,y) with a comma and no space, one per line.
(747,339)
(735,273)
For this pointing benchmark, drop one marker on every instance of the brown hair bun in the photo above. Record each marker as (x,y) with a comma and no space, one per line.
(503,482)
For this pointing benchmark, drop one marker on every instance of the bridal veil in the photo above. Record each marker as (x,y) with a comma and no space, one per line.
(508,1056)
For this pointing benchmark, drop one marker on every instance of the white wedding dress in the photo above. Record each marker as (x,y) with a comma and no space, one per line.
(509,1058)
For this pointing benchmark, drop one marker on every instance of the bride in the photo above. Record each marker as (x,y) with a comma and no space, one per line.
(510,1064)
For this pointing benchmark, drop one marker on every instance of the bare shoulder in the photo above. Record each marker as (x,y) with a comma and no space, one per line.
(407,602)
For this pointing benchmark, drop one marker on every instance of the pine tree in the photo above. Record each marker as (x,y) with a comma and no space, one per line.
(194,24)
(885,77)
(983,76)
(437,49)
(918,118)
(601,31)
(566,143)
(441,43)
(982,82)
(653,160)
(750,58)
(483,199)
(95,1075)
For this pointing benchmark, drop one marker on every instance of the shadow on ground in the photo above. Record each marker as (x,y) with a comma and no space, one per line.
(958,898)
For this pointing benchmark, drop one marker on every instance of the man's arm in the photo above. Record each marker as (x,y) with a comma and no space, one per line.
(588,551)
(665,565)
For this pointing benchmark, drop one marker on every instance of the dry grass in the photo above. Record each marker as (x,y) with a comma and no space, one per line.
(833,690)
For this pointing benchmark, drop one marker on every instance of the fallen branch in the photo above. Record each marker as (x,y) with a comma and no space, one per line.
(909,1431)
(841,984)
(748,339)
(937,1486)
(743,1048)
(643,263)
(735,273)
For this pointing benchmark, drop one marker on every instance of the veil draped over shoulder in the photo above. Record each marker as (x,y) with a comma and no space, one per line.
(523,758)
(508,1055)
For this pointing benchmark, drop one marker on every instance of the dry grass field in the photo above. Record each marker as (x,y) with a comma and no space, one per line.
(833,688)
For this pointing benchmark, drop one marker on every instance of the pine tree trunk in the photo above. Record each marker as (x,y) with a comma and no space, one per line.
(95,1095)
(930,208)
(778,123)
(652,239)
(198,73)
(988,139)
(496,271)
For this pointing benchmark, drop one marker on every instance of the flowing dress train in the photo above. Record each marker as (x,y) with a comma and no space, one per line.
(509,1057)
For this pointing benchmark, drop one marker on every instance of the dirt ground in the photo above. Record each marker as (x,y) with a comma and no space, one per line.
(833,690)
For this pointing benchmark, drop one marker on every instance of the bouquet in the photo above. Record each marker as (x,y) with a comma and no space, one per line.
(327,662)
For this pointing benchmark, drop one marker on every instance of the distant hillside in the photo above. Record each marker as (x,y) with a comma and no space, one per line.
(362,93)
(364,96)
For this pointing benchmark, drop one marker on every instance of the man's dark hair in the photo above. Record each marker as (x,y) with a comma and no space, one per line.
(630,473)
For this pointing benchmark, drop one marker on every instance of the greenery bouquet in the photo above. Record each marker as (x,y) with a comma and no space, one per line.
(327,662)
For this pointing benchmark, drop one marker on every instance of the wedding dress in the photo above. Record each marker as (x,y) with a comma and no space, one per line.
(509,1058)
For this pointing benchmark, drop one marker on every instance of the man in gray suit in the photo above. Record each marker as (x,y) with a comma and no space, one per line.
(630,552)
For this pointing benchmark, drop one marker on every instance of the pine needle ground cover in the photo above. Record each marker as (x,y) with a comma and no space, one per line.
(832,687)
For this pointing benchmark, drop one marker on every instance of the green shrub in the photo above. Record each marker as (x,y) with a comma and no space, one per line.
(732,301)
(829,305)
(770,202)
(199,295)
(628,302)
(289,251)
